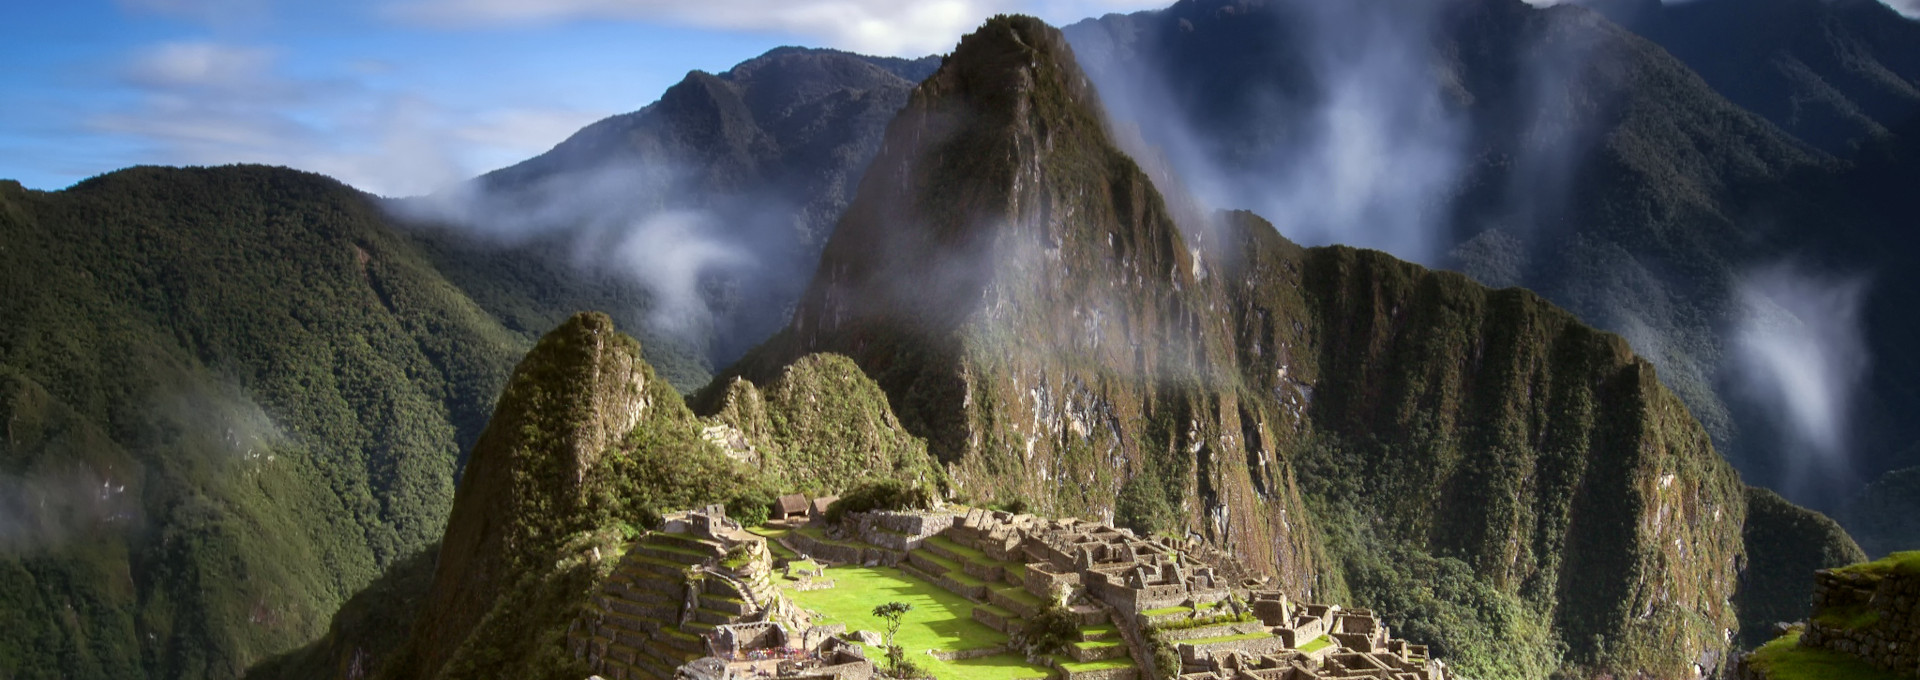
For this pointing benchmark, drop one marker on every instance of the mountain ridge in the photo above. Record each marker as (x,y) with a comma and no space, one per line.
(1187,377)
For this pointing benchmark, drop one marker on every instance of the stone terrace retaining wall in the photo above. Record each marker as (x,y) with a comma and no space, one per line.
(1222,630)
(1190,652)
(840,553)
(900,531)
(1106,674)
(1883,611)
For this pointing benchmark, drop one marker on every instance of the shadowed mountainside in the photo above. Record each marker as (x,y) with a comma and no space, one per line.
(694,220)
(233,397)
(1037,310)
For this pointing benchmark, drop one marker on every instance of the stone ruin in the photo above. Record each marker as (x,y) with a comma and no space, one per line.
(1218,618)
(769,651)
(1200,599)
(672,588)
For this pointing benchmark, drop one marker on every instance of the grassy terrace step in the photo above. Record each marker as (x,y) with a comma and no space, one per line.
(1317,644)
(1166,611)
(820,535)
(997,611)
(676,548)
(634,560)
(645,578)
(964,552)
(1785,659)
(1098,650)
(1105,631)
(976,556)
(707,546)
(952,568)
(1020,595)
(669,631)
(1069,665)
(1232,638)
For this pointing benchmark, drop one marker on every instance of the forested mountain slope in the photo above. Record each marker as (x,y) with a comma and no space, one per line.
(1358,425)
(233,397)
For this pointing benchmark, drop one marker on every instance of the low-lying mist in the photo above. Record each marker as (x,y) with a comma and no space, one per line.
(1799,352)
(1356,141)
(703,260)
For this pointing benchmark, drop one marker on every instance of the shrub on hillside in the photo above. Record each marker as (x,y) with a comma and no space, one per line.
(885,494)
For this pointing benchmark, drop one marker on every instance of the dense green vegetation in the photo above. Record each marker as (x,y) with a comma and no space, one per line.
(1785,659)
(240,396)
(1511,484)
(1905,563)
(368,627)
(1785,545)
(1492,428)
(247,399)
(587,446)
(1885,516)
(585,440)
(822,426)
(880,495)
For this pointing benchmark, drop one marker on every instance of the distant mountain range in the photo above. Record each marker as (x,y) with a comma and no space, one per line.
(253,394)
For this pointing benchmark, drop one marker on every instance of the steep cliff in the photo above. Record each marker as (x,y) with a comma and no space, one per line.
(587,446)
(578,444)
(1064,334)
(1785,543)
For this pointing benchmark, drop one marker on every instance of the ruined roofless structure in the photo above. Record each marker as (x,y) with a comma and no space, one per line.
(716,617)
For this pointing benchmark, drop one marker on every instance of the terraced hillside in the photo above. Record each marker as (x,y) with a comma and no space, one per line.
(998,596)
(669,590)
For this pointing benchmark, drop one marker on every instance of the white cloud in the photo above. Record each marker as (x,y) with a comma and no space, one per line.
(201,65)
(886,27)
(210,103)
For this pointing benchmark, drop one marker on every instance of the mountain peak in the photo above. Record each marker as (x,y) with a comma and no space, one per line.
(1000,157)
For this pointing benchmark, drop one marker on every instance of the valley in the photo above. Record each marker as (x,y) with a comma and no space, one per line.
(1071,340)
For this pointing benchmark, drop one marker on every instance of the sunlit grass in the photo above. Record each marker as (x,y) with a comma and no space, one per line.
(1785,659)
(940,620)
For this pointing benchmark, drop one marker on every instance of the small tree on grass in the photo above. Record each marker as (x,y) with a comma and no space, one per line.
(893,612)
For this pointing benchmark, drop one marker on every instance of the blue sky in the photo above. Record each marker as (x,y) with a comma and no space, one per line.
(396,96)
(401,97)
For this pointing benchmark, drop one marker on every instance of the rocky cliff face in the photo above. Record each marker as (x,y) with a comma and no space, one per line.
(526,485)
(1063,333)
(1023,292)
(587,445)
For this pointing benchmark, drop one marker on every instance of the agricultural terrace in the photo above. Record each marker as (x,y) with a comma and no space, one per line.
(940,621)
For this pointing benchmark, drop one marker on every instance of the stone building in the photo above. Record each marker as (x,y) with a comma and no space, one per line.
(692,601)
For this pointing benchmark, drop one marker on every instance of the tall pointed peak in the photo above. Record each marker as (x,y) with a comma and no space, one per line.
(1011,57)
(1000,167)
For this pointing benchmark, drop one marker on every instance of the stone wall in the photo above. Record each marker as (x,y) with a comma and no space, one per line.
(1198,632)
(842,553)
(899,531)
(1873,616)
(1042,579)
(1190,653)
(1128,673)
